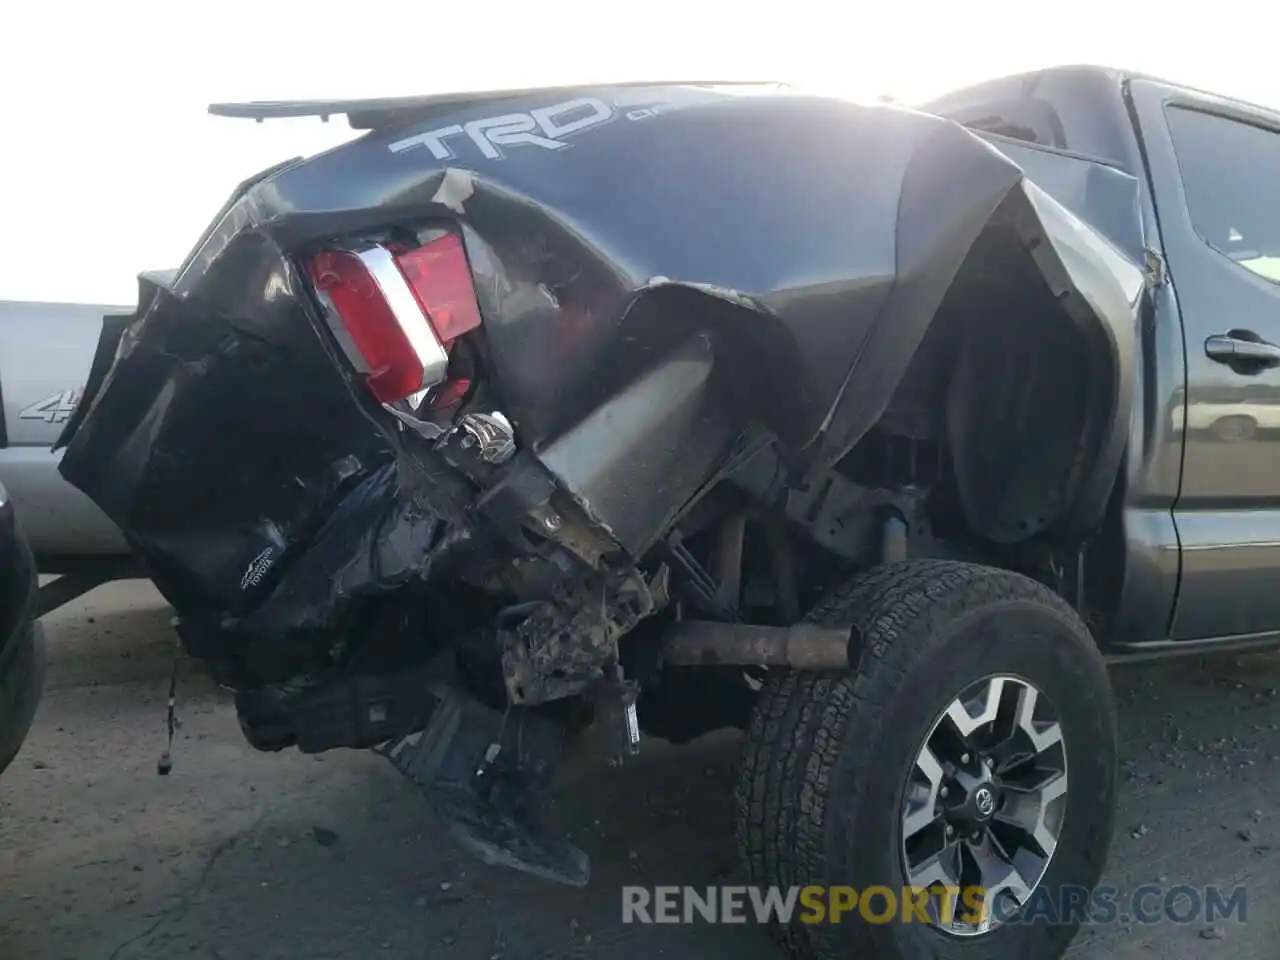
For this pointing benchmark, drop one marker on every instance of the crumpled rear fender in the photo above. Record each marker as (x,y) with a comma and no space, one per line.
(1041,392)
(816,293)
(1014,322)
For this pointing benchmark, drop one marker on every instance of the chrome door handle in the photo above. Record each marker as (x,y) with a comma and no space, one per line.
(1227,349)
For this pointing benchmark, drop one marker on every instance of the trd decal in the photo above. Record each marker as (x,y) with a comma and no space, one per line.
(545,127)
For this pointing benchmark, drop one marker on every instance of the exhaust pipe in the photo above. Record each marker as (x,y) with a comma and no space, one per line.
(805,646)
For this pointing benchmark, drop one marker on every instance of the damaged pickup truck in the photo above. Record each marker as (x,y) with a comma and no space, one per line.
(675,407)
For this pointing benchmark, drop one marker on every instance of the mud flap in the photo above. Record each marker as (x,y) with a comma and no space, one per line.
(484,774)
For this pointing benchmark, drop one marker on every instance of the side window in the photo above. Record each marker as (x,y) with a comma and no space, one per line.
(1231,177)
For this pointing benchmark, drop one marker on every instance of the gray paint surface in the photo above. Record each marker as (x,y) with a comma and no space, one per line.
(45,353)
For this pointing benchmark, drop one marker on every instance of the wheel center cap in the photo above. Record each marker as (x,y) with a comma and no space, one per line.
(984,802)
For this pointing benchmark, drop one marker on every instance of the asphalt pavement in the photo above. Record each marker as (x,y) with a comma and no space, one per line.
(241,855)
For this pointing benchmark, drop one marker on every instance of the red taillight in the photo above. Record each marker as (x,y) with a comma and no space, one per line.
(399,312)
(441,282)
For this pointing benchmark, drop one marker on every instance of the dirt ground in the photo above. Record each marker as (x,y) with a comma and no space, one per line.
(240,855)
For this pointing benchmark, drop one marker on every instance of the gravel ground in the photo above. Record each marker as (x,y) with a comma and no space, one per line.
(245,855)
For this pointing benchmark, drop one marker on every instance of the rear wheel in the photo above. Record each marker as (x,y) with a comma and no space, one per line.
(971,745)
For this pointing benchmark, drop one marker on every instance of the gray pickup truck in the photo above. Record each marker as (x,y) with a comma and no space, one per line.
(45,353)
(871,431)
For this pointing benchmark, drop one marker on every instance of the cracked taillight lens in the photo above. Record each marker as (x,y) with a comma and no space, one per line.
(399,311)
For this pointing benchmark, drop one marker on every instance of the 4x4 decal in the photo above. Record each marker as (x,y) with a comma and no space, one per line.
(53,409)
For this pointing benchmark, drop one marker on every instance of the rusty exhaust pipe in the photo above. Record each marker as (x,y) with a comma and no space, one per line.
(805,646)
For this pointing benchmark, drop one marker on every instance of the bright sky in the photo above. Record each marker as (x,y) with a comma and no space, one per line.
(109,164)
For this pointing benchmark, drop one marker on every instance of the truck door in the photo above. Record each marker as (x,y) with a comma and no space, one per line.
(1215,175)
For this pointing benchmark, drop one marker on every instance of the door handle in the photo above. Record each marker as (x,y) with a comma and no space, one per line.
(1228,349)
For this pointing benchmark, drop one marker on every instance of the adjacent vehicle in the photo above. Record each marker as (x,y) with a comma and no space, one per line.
(678,406)
(46,350)
(22,650)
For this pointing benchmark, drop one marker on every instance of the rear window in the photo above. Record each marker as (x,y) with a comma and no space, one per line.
(1231,178)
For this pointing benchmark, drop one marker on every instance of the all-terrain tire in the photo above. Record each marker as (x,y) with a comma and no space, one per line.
(771,773)
(21,683)
(842,749)
(769,778)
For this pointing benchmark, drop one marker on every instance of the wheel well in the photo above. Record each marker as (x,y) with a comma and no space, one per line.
(1012,388)
(998,444)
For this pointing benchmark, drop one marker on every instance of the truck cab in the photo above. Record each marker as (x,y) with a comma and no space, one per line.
(1195,518)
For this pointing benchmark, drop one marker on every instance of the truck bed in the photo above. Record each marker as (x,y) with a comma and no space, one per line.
(45,353)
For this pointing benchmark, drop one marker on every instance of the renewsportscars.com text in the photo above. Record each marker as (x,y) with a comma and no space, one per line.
(1150,904)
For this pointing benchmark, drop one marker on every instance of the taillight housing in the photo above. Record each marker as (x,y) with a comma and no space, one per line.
(400,310)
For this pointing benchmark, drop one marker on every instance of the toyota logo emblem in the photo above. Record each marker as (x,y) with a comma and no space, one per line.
(985,801)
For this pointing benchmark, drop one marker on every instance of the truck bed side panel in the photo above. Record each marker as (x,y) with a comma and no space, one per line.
(45,353)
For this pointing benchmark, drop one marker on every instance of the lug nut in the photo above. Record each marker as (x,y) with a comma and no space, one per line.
(943,792)
(951,831)
(964,758)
